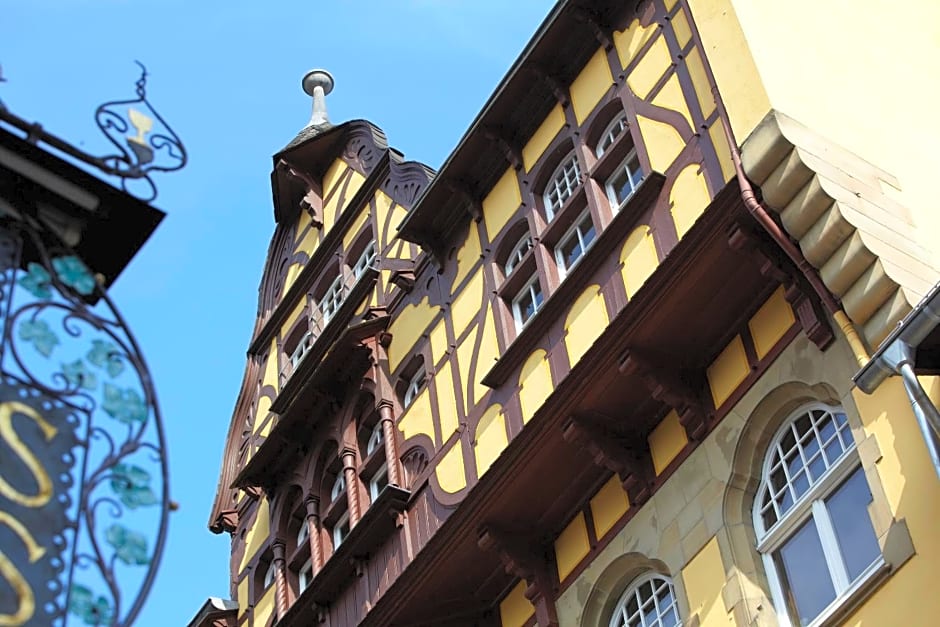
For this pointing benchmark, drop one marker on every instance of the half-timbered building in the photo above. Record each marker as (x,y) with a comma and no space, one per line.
(597,369)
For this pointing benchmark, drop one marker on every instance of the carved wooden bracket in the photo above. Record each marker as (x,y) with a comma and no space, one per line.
(805,304)
(601,33)
(404,279)
(526,560)
(610,451)
(666,387)
(473,206)
(557,86)
(228,520)
(509,148)
(311,202)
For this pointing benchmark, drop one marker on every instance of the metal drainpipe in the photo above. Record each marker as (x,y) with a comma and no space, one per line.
(759,213)
(900,358)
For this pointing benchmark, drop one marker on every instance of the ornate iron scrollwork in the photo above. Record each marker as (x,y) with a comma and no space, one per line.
(147,149)
(83,471)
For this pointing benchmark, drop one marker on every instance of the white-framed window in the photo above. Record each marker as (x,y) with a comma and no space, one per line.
(378,482)
(563,184)
(415,385)
(611,133)
(302,348)
(624,181)
(332,299)
(811,517)
(305,575)
(340,530)
(303,533)
(571,246)
(376,438)
(519,251)
(269,575)
(339,486)
(527,302)
(365,260)
(649,601)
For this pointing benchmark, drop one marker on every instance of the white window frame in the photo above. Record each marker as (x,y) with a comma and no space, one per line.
(339,486)
(303,534)
(615,203)
(339,535)
(619,617)
(376,438)
(365,260)
(612,132)
(809,506)
(415,385)
(374,488)
(301,350)
(332,299)
(564,182)
(269,576)
(305,574)
(523,246)
(575,232)
(530,289)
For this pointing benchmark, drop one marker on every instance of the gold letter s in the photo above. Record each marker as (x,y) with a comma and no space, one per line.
(9,434)
(27,600)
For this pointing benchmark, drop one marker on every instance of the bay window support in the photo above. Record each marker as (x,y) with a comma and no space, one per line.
(666,387)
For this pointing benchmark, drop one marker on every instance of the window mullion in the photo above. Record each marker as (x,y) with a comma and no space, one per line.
(830,546)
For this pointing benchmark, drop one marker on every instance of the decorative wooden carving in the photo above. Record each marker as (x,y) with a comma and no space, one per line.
(613,452)
(665,386)
(557,86)
(472,205)
(525,560)
(365,147)
(509,149)
(805,304)
(404,279)
(406,182)
(414,462)
(311,202)
(601,33)
(228,520)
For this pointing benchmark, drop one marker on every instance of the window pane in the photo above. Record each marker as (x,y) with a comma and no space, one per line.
(805,576)
(848,509)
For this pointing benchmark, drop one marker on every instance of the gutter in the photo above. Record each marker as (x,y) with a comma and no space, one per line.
(895,356)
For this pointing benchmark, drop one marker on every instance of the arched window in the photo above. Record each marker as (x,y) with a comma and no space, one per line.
(268,576)
(376,439)
(613,130)
(339,486)
(365,259)
(414,386)
(517,253)
(562,185)
(811,517)
(649,601)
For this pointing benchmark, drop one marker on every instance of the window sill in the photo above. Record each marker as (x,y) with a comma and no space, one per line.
(851,599)
(378,522)
(555,303)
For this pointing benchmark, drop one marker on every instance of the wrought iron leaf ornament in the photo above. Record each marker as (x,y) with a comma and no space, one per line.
(145,143)
(88,498)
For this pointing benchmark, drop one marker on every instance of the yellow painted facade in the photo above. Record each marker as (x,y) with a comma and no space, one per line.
(703,577)
(535,384)
(490,438)
(543,137)
(771,322)
(666,441)
(592,83)
(586,320)
(501,202)
(450,471)
(515,610)
(571,546)
(728,371)
(608,506)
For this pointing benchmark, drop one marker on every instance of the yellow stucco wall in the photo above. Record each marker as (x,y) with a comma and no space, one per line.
(257,534)
(264,608)
(608,506)
(535,383)
(515,609)
(630,40)
(447,407)
(666,441)
(771,322)
(491,438)
(542,137)
(874,100)
(407,328)
(727,371)
(586,320)
(592,83)
(704,578)
(571,546)
(501,202)
(417,418)
(450,471)
(639,259)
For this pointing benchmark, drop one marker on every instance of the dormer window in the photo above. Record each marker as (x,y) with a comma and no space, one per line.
(611,133)
(517,253)
(414,387)
(563,184)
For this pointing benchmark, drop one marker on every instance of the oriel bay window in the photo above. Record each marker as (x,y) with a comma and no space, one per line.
(572,245)
(374,466)
(811,517)
(564,182)
(527,302)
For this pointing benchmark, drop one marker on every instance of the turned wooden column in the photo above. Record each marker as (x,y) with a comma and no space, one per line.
(312,504)
(387,418)
(280,578)
(348,456)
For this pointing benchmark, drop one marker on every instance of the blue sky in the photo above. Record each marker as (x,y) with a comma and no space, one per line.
(226,75)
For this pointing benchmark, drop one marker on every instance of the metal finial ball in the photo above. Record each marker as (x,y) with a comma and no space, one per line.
(317,78)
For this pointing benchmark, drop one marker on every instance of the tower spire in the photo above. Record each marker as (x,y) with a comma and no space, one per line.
(318,83)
